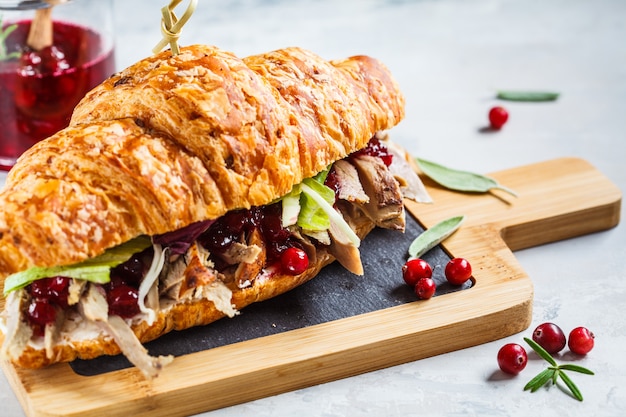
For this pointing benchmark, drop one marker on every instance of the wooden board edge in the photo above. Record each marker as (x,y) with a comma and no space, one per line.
(302,357)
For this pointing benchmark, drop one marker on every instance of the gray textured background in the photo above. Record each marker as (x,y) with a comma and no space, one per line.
(450,56)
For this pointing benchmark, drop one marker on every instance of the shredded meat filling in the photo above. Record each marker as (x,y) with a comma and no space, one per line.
(385,207)
(251,265)
(368,192)
(350,188)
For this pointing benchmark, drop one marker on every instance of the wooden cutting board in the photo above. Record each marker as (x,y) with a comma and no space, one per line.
(557,199)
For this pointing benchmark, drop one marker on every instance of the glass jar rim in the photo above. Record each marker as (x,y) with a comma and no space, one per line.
(24,4)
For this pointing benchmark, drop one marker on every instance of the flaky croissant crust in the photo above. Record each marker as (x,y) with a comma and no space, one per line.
(177,139)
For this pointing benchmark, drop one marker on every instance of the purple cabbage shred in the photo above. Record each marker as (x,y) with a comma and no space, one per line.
(179,241)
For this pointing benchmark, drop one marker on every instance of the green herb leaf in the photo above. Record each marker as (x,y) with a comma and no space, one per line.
(576,368)
(540,380)
(514,95)
(434,236)
(460,180)
(555,376)
(555,372)
(541,351)
(4,34)
(572,387)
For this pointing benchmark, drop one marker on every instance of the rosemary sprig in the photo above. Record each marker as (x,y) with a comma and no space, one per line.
(4,34)
(554,372)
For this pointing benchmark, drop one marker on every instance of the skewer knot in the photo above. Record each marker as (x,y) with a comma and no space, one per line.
(171,25)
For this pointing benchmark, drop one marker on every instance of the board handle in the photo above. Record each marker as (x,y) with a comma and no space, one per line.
(559,199)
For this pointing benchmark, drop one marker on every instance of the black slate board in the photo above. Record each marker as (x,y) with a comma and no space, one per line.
(334,294)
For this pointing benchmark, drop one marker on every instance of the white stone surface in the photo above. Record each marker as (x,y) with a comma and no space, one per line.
(450,56)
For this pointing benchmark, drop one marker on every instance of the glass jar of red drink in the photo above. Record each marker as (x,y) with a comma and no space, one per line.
(52,52)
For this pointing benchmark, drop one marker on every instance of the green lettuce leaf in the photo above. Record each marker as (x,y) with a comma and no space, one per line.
(291,207)
(312,202)
(312,216)
(334,216)
(94,270)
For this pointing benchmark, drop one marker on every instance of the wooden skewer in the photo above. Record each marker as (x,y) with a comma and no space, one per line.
(40,33)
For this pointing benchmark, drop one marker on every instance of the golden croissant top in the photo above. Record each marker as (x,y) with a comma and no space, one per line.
(176,139)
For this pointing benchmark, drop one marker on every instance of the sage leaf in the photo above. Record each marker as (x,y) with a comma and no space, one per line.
(539,380)
(459,180)
(515,95)
(433,236)
(541,351)
(572,387)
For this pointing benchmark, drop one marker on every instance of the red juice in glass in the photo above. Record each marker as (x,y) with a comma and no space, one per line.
(39,90)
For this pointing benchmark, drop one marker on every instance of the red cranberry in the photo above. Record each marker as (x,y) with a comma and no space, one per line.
(498,117)
(26,99)
(458,271)
(49,60)
(53,290)
(414,270)
(272,227)
(550,337)
(67,86)
(123,301)
(131,271)
(332,182)
(425,288)
(376,148)
(294,261)
(512,358)
(581,340)
(235,221)
(231,227)
(41,313)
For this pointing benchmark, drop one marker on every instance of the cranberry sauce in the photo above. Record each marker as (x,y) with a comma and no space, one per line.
(39,91)
(236,225)
(332,181)
(122,292)
(48,295)
(376,148)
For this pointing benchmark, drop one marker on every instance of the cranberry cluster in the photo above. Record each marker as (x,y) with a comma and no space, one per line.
(231,227)
(48,296)
(49,60)
(376,148)
(418,273)
(512,357)
(122,292)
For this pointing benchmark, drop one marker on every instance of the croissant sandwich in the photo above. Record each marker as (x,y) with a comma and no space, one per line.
(187,187)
